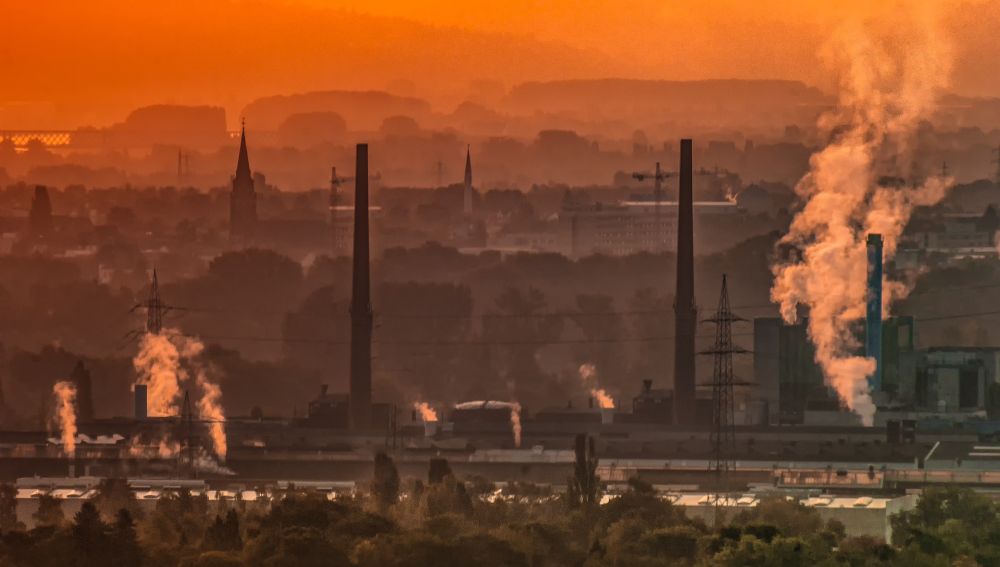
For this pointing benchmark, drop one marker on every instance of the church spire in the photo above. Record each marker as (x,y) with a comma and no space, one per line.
(467,201)
(243,199)
(243,162)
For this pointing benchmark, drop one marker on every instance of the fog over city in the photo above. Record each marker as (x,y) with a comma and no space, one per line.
(311,282)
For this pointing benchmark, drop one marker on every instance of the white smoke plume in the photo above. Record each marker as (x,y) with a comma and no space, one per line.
(158,365)
(604,400)
(588,374)
(427,413)
(890,83)
(207,463)
(65,394)
(515,422)
(164,448)
(162,364)
(210,403)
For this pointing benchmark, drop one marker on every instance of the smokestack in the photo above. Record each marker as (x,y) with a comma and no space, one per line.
(139,401)
(873,297)
(361,305)
(685,313)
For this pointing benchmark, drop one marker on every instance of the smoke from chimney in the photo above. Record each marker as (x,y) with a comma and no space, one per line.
(65,393)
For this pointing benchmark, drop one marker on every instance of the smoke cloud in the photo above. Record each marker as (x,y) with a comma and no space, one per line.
(588,374)
(65,394)
(515,419)
(427,413)
(210,403)
(890,82)
(159,365)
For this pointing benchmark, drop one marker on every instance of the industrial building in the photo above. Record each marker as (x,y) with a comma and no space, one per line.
(629,227)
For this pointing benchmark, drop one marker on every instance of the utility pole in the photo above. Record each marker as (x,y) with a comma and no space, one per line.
(723,436)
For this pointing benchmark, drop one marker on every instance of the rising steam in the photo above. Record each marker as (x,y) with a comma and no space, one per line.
(588,374)
(65,394)
(889,85)
(166,361)
(515,419)
(210,403)
(158,365)
(427,413)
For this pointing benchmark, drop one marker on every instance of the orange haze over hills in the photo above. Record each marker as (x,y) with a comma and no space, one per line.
(71,63)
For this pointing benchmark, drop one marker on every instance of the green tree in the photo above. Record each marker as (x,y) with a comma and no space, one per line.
(49,512)
(113,495)
(521,327)
(8,508)
(437,470)
(584,487)
(385,485)
(951,521)
(124,549)
(602,327)
(90,536)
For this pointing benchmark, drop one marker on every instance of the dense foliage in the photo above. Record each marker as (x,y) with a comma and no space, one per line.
(450,522)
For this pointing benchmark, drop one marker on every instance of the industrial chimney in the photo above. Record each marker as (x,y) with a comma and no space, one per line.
(685,312)
(361,305)
(873,308)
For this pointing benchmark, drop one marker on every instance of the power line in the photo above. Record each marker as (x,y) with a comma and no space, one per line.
(295,340)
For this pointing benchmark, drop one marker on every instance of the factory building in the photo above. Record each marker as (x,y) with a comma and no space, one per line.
(790,383)
(628,227)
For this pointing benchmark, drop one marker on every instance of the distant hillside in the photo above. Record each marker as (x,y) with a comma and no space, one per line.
(363,110)
(691,106)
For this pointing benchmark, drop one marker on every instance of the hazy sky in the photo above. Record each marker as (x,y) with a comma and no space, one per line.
(68,62)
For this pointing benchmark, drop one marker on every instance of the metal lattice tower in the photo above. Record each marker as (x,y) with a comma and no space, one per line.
(154,308)
(723,436)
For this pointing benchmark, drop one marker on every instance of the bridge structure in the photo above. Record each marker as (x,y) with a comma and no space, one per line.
(90,138)
(48,138)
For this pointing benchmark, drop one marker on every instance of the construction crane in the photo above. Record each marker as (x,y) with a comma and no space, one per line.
(658,176)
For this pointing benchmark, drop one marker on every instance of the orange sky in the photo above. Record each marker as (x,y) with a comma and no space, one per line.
(72,63)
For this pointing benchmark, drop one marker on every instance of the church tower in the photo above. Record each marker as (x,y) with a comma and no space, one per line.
(243,199)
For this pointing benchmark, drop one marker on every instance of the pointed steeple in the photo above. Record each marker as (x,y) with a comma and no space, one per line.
(467,195)
(243,199)
(243,162)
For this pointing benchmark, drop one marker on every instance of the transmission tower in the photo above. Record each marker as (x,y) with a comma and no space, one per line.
(723,436)
(154,308)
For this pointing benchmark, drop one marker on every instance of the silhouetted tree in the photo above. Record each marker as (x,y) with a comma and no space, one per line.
(49,512)
(385,485)
(90,539)
(8,508)
(521,328)
(438,470)
(584,487)
(124,549)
